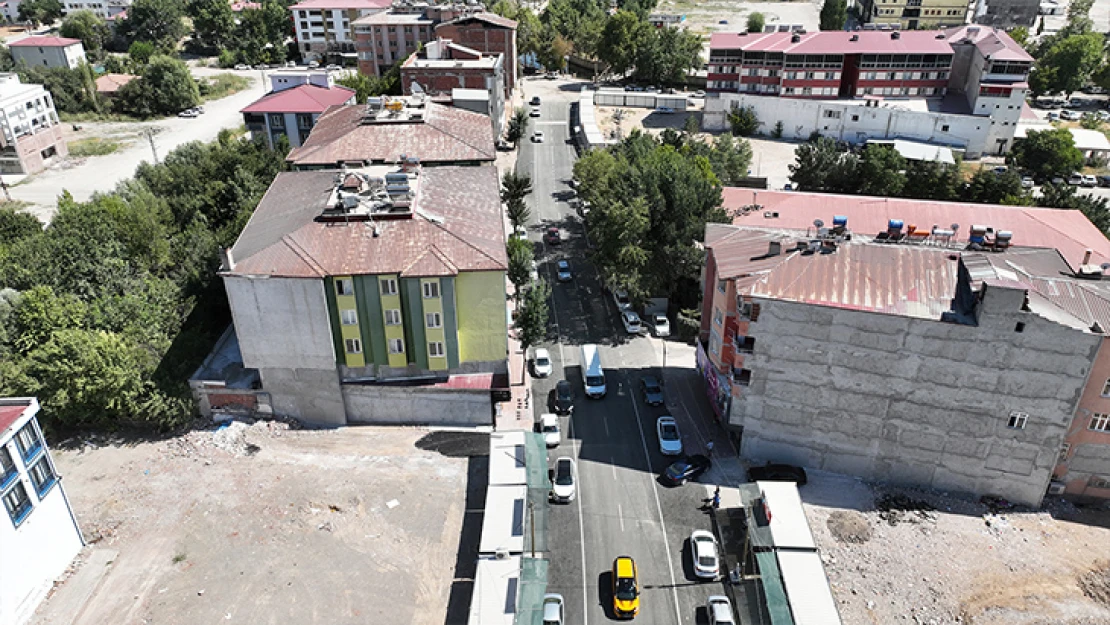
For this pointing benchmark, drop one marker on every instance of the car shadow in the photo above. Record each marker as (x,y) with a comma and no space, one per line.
(605,594)
(688,561)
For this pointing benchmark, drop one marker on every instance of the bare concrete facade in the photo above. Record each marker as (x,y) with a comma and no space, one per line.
(415,405)
(912,400)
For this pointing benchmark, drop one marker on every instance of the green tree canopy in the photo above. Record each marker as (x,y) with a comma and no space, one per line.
(755,23)
(164,87)
(90,28)
(666,56)
(518,125)
(819,166)
(1047,153)
(932,180)
(213,22)
(520,263)
(989,187)
(834,14)
(621,38)
(579,22)
(533,316)
(71,88)
(40,11)
(743,121)
(880,171)
(1067,64)
(156,21)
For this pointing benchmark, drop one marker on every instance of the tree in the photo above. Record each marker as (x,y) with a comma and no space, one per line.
(989,187)
(165,87)
(213,22)
(518,126)
(40,11)
(666,55)
(532,318)
(819,166)
(520,263)
(743,121)
(622,36)
(156,21)
(90,28)
(553,50)
(932,180)
(1067,64)
(514,185)
(755,23)
(880,171)
(834,14)
(1020,34)
(578,23)
(16,225)
(261,33)
(1047,153)
(139,54)
(691,126)
(69,87)
(518,212)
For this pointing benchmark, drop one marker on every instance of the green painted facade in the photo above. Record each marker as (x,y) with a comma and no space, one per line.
(450,321)
(413,310)
(368,297)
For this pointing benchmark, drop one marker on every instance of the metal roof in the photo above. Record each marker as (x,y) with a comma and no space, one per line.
(807,588)
(837,42)
(503,522)
(496,585)
(305,98)
(12,409)
(918,150)
(507,459)
(789,527)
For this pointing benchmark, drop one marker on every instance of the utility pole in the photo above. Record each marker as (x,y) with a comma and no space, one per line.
(149,133)
(532,522)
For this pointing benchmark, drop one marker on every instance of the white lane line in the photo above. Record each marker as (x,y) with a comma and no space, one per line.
(581,526)
(659,510)
(552,122)
(620,515)
(605,422)
(613,467)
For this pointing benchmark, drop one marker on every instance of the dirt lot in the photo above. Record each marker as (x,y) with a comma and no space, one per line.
(955,561)
(705,17)
(263,524)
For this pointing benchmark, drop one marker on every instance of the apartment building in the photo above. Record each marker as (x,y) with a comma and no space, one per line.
(448,72)
(950,354)
(1006,13)
(912,14)
(386,130)
(324,30)
(44,51)
(41,537)
(107,9)
(487,33)
(375,294)
(296,100)
(388,37)
(32,135)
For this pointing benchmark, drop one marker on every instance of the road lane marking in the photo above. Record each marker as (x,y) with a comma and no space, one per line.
(605,422)
(620,515)
(575,445)
(659,510)
(613,467)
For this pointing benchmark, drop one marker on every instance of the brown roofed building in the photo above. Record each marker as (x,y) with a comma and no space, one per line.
(488,33)
(346,281)
(108,85)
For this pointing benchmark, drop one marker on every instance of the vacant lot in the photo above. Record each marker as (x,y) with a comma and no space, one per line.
(263,524)
(706,17)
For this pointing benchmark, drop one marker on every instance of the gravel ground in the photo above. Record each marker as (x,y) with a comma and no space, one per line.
(909,556)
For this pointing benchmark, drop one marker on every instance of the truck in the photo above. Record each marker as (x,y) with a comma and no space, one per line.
(593,376)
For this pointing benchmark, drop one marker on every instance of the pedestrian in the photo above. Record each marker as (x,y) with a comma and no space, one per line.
(717,499)
(709,447)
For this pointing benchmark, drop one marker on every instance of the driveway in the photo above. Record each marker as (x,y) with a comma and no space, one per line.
(84,176)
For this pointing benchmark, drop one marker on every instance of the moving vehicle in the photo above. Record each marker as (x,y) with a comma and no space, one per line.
(686,469)
(537,137)
(703,551)
(631,322)
(552,609)
(553,236)
(593,376)
(719,610)
(549,426)
(562,486)
(562,270)
(772,472)
(653,392)
(541,363)
(535,112)
(535,100)
(621,298)
(626,588)
(670,441)
(660,325)
(564,398)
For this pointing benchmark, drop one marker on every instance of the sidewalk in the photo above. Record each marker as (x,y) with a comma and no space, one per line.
(730,527)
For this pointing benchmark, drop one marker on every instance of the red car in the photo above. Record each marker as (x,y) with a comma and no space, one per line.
(553,236)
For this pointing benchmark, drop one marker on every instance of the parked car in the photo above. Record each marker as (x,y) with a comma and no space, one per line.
(653,391)
(1052,116)
(552,609)
(535,100)
(1104,181)
(621,298)
(660,325)
(553,236)
(562,270)
(537,137)
(631,322)
(334,68)
(190,113)
(1075,180)
(664,110)
(699,94)
(1071,116)
(670,440)
(719,610)
(563,484)
(771,472)
(684,470)
(242,67)
(549,427)
(630,87)
(1027,182)
(313,64)
(541,363)
(504,145)
(564,398)
(1058,180)
(535,112)
(1090,181)
(704,553)
(1075,103)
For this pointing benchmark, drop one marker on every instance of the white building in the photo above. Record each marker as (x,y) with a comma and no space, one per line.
(30,133)
(41,536)
(103,8)
(323,27)
(44,51)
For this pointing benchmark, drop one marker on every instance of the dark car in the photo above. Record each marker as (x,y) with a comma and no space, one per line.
(535,101)
(564,398)
(778,473)
(553,236)
(686,469)
(1104,181)
(653,393)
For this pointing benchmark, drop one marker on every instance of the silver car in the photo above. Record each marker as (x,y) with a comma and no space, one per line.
(720,611)
(552,609)
(703,550)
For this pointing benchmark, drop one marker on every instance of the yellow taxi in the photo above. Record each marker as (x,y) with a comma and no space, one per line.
(626,588)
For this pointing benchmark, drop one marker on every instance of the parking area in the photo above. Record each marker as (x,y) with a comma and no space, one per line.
(263,524)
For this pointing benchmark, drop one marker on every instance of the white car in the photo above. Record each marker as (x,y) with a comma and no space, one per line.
(535,112)
(1071,115)
(1027,182)
(537,137)
(621,298)
(670,440)
(703,550)
(720,611)
(631,322)
(660,325)
(1075,180)
(1089,180)
(549,424)
(552,609)
(541,363)
(563,486)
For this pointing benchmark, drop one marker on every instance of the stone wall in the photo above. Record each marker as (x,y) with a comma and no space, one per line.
(414,405)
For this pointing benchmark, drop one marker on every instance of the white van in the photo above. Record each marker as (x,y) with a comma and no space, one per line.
(593,376)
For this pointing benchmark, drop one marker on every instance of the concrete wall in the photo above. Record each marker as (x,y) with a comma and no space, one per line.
(417,405)
(1006,13)
(911,400)
(281,321)
(31,148)
(852,122)
(311,395)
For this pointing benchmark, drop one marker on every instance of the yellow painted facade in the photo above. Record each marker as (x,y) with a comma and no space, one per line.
(434,305)
(931,14)
(391,307)
(482,320)
(351,334)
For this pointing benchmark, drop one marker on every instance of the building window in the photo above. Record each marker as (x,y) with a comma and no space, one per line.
(353,346)
(345,286)
(29,442)
(433,320)
(8,472)
(431,290)
(944,128)
(435,349)
(42,476)
(396,346)
(18,503)
(1098,482)
(277,120)
(392,317)
(1099,423)
(1019,327)
(832,114)
(389,286)
(721,286)
(1017,420)
(1106,389)
(1064,449)
(304,121)
(349,317)
(717,316)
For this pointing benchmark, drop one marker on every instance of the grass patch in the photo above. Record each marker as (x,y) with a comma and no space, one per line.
(179,558)
(96,117)
(222,85)
(93,146)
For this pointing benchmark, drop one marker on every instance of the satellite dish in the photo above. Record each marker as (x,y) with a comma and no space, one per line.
(1105,266)
(818,223)
(416,88)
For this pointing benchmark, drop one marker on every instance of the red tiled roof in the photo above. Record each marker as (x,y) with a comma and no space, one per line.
(111,83)
(10,413)
(837,42)
(44,42)
(993,43)
(1065,230)
(446,135)
(301,99)
(282,237)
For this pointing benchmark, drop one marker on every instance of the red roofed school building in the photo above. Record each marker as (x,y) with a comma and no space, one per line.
(955,346)
(296,100)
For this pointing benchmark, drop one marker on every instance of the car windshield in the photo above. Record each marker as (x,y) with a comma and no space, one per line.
(563,265)
(563,476)
(670,432)
(542,361)
(551,428)
(651,387)
(623,299)
(626,589)
(595,380)
(660,320)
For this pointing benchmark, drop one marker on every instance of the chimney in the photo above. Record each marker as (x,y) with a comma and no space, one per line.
(775,248)
(226,259)
(1087,257)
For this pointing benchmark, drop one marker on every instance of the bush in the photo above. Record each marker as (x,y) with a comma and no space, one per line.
(743,121)
(776,132)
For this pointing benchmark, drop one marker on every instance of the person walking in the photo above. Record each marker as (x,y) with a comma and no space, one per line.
(709,448)
(717,498)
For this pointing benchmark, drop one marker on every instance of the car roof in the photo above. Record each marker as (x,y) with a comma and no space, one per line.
(549,419)
(563,263)
(540,351)
(721,609)
(650,379)
(624,566)
(666,419)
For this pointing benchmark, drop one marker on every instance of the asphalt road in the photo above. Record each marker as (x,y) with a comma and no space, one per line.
(620,508)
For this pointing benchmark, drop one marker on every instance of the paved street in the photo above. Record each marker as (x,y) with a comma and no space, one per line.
(620,509)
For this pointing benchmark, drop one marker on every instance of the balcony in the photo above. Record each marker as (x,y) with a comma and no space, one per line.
(742,377)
